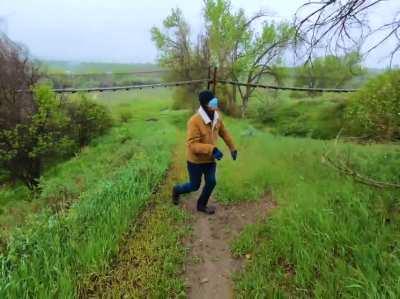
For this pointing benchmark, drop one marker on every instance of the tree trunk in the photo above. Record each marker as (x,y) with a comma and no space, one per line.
(245,100)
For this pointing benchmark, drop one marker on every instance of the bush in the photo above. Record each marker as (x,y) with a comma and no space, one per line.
(88,119)
(374,111)
(54,131)
(24,147)
(125,116)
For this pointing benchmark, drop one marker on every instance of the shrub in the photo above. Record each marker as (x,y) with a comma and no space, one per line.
(54,131)
(374,111)
(125,116)
(88,119)
(24,147)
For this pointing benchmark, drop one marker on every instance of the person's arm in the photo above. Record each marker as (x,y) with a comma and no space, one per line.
(223,132)
(193,140)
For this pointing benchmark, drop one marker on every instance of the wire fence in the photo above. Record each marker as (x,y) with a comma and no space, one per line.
(130,87)
(212,80)
(285,87)
(192,82)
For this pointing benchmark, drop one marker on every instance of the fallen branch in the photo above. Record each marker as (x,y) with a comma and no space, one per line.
(346,170)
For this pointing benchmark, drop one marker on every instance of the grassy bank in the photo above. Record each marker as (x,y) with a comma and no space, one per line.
(63,183)
(329,237)
(288,114)
(51,255)
(151,256)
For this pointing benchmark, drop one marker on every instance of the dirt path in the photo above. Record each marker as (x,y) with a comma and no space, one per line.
(210,265)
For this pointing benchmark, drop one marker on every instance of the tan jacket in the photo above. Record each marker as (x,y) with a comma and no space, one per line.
(202,136)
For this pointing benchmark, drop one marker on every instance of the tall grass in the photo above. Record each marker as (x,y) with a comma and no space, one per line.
(329,237)
(53,254)
(316,117)
(61,184)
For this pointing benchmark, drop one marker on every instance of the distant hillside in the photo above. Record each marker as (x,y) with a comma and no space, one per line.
(57,67)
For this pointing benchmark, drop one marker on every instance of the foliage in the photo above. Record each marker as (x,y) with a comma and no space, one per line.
(329,71)
(125,116)
(24,147)
(61,183)
(240,52)
(231,43)
(184,59)
(374,111)
(54,131)
(88,119)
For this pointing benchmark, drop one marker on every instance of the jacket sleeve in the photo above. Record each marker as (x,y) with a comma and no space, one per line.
(193,140)
(223,132)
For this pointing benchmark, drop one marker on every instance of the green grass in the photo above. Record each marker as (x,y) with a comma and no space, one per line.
(329,236)
(286,114)
(151,256)
(50,255)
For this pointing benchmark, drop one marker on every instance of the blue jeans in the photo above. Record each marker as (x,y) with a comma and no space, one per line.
(196,171)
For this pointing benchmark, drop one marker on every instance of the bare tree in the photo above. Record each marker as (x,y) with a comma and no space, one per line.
(17,73)
(344,25)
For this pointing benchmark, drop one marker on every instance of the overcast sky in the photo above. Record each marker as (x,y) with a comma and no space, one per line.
(116,30)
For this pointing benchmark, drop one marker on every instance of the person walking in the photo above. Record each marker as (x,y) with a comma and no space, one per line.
(203,130)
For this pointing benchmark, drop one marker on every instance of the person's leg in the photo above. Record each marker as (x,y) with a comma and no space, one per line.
(195,173)
(210,182)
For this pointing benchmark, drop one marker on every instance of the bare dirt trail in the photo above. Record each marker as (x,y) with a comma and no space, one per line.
(210,265)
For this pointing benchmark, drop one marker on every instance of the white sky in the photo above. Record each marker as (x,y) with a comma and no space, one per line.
(117,30)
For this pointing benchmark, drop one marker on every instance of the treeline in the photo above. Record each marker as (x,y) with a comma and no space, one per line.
(38,128)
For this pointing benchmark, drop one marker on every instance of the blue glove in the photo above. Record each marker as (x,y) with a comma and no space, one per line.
(217,154)
(234,155)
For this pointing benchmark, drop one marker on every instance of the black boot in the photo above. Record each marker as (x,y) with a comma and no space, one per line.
(175,197)
(208,210)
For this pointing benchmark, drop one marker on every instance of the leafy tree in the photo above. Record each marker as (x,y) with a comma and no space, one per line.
(184,59)
(242,52)
(330,71)
(231,42)
(374,111)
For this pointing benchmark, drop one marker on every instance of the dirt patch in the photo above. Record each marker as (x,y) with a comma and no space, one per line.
(210,265)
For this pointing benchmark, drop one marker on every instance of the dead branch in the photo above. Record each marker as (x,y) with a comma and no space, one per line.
(342,26)
(346,170)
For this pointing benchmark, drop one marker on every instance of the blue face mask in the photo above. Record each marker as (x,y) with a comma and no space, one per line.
(213,104)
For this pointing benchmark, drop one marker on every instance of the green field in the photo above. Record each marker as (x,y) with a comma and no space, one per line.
(329,236)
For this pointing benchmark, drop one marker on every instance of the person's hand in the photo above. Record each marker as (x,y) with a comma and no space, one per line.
(217,154)
(234,155)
